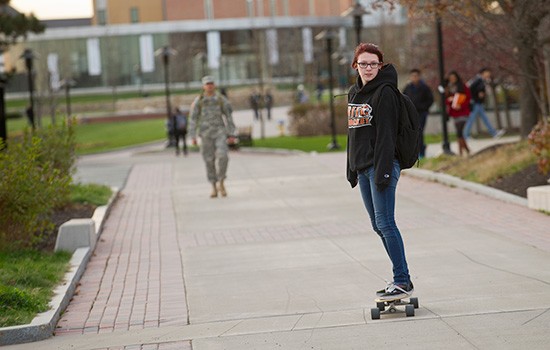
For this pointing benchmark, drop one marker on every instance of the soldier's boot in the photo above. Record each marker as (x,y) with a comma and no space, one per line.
(214,192)
(221,188)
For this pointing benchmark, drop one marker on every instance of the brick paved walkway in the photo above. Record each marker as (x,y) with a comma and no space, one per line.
(292,245)
(135,278)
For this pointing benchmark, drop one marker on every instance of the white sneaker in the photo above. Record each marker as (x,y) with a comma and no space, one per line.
(499,134)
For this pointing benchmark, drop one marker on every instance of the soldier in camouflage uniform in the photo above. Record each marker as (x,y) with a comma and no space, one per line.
(207,115)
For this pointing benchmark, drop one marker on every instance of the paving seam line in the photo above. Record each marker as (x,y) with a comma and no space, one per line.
(43,324)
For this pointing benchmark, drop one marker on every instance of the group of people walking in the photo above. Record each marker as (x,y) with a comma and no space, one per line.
(464,103)
(258,102)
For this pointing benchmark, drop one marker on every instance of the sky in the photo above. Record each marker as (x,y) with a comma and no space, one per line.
(54,9)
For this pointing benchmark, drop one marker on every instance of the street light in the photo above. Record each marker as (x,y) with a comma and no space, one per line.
(3,119)
(165,53)
(67,84)
(29,57)
(329,35)
(446,146)
(356,11)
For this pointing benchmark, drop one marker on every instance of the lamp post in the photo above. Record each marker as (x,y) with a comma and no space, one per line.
(329,35)
(29,57)
(446,146)
(356,11)
(67,84)
(165,53)
(3,118)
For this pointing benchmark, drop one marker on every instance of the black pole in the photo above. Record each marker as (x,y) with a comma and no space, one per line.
(446,146)
(166,61)
(68,99)
(28,62)
(3,119)
(334,144)
(358,22)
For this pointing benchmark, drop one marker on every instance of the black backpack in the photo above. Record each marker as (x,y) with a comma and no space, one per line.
(409,133)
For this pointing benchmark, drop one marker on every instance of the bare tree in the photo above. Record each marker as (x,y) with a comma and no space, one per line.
(506,29)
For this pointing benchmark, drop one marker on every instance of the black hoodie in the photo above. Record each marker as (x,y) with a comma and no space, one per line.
(372,130)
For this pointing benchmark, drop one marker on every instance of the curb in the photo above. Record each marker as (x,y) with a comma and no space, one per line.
(453,181)
(43,324)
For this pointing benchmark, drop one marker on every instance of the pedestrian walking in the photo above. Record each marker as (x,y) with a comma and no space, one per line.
(371,156)
(211,115)
(301,95)
(180,132)
(422,98)
(457,100)
(254,100)
(478,91)
(268,102)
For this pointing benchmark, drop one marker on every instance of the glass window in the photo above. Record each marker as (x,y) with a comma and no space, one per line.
(134,15)
(101,17)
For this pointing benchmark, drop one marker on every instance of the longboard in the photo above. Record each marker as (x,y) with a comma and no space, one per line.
(390,306)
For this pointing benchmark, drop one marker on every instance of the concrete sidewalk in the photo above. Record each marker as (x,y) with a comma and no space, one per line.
(288,261)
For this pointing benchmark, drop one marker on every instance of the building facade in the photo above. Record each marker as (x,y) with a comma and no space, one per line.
(237,41)
(108,12)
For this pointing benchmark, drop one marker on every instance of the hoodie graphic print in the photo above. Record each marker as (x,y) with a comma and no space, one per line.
(359,115)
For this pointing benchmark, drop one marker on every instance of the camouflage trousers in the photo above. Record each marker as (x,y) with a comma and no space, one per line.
(214,152)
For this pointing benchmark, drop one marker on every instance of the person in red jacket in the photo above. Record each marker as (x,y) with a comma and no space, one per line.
(457,99)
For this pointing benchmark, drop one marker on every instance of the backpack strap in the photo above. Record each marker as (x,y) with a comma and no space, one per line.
(378,92)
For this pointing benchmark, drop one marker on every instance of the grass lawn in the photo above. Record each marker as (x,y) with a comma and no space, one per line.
(90,194)
(22,103)
(319,143)
(99,137)
(301,143)
(93,138)
(27,279)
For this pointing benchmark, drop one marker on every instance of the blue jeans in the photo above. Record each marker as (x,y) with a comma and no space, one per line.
(478,109)
(381,207)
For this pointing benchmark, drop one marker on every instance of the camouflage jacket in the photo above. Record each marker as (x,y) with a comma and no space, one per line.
(207,115)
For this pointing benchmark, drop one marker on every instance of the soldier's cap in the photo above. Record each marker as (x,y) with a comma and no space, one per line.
(207,80)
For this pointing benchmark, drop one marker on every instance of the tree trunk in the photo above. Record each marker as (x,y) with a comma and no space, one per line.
(528,81)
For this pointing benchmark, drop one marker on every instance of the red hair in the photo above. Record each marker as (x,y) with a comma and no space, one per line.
(366,47)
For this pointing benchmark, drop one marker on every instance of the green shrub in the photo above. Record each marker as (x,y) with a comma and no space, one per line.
(35,174)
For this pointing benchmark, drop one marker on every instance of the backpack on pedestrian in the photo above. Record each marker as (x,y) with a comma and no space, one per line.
(181,122)
(409,133)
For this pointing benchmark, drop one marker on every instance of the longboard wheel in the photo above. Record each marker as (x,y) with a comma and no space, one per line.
(375,313)
(381,305)
(414,302)
(409,310)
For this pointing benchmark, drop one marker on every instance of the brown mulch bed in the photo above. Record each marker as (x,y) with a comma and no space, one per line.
(519,182)
(59,217)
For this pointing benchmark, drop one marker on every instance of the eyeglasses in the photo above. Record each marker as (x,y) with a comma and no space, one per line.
(372,65)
